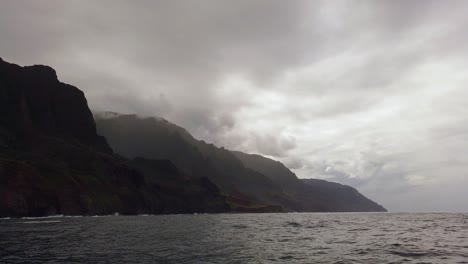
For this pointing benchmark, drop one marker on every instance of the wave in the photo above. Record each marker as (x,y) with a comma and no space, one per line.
(41,222)
(43,217)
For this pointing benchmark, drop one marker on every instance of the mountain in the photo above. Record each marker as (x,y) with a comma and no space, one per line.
(247,180)
(156,138)
(311,194)
(34,103)
(52,161)
(345,195)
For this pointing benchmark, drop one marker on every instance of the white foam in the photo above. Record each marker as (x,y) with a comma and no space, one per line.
(41,222)
(43,217)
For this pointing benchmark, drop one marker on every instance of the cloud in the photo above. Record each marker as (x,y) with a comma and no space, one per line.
(368,93)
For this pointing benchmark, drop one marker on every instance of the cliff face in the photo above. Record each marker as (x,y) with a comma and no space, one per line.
(34,102)
(249,180)
(53,162)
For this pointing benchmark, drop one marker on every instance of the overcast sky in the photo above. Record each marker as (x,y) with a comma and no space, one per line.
(368,93)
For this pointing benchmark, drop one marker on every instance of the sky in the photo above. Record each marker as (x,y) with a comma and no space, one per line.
(373,94)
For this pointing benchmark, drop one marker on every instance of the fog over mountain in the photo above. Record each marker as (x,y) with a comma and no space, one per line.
(372,94)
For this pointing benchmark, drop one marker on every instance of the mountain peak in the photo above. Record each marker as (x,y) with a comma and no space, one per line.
(35,102)
(42,70)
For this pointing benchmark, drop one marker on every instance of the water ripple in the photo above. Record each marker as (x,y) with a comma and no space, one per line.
(238,238)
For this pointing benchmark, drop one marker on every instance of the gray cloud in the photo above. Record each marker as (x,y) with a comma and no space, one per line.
(367,93)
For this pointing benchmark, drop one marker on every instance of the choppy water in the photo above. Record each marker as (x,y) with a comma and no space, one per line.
(238,238)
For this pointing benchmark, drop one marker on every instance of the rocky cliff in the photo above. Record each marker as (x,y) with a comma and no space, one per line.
(52,161)
(248,180)
(33,102)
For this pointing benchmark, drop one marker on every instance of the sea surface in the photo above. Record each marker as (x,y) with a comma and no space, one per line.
(238,238)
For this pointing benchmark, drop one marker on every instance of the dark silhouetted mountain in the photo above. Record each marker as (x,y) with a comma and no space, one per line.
(247,180)
(33,102)
(344,196)
(273,169)
(52,161)
(311,194)
(156,138)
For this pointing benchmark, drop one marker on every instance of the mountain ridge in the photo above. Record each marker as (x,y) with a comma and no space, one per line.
(132,136)
(157,138)
(55,159)
(333,196)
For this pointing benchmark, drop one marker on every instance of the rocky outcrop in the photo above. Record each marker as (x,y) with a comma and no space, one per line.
(33,102)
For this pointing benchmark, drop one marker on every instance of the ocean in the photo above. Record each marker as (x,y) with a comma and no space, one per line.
(238,238)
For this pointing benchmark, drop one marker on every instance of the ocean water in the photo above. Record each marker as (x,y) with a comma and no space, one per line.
(238,238)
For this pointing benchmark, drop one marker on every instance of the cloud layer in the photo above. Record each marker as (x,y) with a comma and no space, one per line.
(367,93)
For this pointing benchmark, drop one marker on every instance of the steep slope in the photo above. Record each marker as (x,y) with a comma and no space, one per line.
(52,161)
(156,138)
(344,196)
(273,169)
(243,177)
(313,194)
(33,102)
